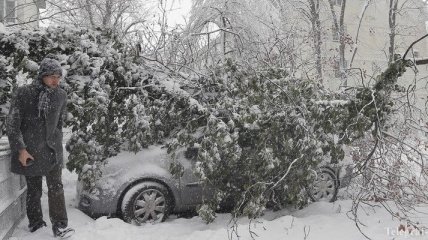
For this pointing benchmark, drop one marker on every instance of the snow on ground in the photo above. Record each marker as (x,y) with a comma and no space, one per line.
(318,221)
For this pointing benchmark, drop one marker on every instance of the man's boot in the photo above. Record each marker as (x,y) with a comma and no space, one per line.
(34,227)
(62,232)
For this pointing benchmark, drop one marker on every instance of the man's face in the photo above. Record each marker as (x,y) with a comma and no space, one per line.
(52,81)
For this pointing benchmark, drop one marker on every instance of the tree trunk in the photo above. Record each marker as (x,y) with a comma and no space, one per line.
(316,29)
(108,14)
(342,62)
(88,9)
(339,28)
(392,24)
(334,16)
(224,26)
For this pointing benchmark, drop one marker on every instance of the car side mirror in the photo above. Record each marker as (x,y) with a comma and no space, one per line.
(191,153)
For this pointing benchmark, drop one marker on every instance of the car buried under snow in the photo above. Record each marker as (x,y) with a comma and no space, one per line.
(139,187)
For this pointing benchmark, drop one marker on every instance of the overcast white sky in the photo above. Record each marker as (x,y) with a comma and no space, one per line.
(180,10)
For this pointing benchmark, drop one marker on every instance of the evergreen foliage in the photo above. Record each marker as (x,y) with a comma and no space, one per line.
(264,132)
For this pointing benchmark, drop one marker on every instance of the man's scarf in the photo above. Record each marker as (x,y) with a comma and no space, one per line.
(44,97)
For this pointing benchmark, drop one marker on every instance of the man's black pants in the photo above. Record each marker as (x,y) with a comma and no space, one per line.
(57,210)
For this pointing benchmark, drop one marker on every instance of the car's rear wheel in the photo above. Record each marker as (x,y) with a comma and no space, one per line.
(146,202)
(324,186)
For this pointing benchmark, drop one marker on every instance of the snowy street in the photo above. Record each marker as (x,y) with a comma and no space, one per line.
(317,221)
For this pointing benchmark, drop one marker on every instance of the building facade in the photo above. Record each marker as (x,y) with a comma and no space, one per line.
(369,52)
(22,12)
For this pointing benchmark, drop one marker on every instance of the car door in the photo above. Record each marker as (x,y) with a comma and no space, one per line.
(193,190)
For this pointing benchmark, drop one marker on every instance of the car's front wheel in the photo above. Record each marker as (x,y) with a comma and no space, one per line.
(146,202)
(324,186)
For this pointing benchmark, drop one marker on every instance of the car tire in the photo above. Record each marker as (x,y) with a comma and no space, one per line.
(324,187)
(146,202)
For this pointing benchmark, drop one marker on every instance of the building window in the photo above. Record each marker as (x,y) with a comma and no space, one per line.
(7,11)
(1,11)
(336,34)
(338,2)
(337,72)
(41,4)
(416,53)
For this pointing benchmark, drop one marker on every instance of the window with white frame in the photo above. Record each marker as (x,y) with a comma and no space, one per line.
(7,11)
(41,4)
(336,33)
(2,11)
(337,69)
(416,53)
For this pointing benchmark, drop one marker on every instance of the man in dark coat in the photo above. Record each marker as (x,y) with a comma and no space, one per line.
(34,128)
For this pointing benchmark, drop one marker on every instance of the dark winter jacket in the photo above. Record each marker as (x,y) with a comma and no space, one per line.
(41,135)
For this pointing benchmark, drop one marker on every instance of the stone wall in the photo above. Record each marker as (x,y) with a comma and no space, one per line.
(12,193)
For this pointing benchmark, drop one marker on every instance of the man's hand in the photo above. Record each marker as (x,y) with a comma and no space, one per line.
(23,156)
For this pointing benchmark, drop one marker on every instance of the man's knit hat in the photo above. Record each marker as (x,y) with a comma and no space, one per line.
(48,67)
